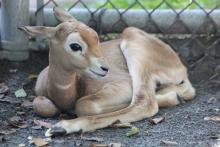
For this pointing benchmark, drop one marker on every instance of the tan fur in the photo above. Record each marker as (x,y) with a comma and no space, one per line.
(126,93)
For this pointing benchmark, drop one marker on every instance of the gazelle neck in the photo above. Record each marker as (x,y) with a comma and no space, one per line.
(62,81)
(57,67)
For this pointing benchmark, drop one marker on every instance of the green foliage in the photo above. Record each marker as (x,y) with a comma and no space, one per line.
(152,4)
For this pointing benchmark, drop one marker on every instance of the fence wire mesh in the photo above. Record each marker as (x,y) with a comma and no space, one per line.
(191,27)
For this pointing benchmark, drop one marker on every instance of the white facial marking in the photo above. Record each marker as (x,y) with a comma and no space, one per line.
(95,70)
(75,38)
(95,62)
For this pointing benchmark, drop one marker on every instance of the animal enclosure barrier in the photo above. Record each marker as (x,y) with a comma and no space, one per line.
(191,27)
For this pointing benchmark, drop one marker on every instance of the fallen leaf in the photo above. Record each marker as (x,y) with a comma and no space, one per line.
(15,119)
(48,139)
(3,111)
(114,145)
(27,104)
(8,99)
(98,145)
(20,93)
(21,145)
(37,127)
(22,126)
(3,123)
(1,96)
(212,100)
(97,139)
(105,145)
(39,142)
(30,139)
(18,108)
(214,135)
(20,113)
(213,118)
(2,139)
(134,130)
(47,133)
(167,142)
(157,120)
(29,80)
(13,70)
(121,125)
(59,141)
(3,88)
(31,97)
(32,76)
(146,131)
(7,132)
(43,124)
(17,122)
(213,83)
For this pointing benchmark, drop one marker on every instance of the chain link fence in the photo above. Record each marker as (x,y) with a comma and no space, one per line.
(190,27)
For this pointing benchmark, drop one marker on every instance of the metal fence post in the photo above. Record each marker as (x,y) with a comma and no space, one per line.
(14,43)
(40,22)
(40,14)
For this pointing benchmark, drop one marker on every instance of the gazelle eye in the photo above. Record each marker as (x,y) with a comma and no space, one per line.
(181,83)
(75,47)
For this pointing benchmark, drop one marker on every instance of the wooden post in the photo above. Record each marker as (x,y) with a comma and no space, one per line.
(14,14)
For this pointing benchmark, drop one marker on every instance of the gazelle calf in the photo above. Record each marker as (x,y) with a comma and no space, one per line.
(105,82)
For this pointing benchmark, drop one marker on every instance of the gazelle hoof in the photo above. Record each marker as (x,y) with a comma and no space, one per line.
(56,131)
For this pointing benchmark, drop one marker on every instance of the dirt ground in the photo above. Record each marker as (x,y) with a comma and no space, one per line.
(183,124)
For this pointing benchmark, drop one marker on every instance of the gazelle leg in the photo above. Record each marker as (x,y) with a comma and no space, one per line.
(143,103)
(113,96)
(40,87)
(185,90)
(168,99)
(42,105)
(45,107)
(141,107)
(168,96)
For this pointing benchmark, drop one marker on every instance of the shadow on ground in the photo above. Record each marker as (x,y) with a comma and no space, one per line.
(183,124)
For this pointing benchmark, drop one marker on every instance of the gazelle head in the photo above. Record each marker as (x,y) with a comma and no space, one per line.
(73,45)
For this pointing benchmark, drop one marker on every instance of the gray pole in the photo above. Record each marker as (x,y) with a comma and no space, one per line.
(194,21)
(14,14)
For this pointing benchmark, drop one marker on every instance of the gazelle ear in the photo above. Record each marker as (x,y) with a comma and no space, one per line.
(63,15)
(39,31)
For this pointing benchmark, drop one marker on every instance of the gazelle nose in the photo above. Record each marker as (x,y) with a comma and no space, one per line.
(104,68)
